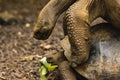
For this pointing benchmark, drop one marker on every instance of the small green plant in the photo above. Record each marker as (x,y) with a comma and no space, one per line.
(45,68)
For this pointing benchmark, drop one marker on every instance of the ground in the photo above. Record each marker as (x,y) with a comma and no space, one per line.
(18,48)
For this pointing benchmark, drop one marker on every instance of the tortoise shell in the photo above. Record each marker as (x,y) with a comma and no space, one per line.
(104,59)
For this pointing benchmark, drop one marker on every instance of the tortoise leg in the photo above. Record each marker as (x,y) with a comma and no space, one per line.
(66,72)
(48,17)
(77,18)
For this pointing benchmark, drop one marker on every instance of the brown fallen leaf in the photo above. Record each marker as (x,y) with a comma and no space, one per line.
(29,58)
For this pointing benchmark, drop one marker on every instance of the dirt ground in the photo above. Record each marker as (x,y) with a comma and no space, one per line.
(18,48)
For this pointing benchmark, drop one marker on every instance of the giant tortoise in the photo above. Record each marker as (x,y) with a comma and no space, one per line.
(94,51)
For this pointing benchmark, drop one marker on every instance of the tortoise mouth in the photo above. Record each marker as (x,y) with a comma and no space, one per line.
(42,35)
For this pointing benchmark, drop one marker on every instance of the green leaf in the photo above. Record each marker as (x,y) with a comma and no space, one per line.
(43,72)
(43,78)
(48,65)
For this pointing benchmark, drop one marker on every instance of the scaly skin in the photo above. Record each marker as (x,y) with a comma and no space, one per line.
(78,19)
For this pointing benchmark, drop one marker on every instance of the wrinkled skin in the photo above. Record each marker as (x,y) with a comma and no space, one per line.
(78,18)
(79,15)
(48,17)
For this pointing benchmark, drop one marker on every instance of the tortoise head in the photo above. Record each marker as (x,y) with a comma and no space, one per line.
(43,29)
(48,17)
(45,24)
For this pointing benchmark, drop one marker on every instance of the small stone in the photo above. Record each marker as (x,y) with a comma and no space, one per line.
(47,46)
(27,25)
